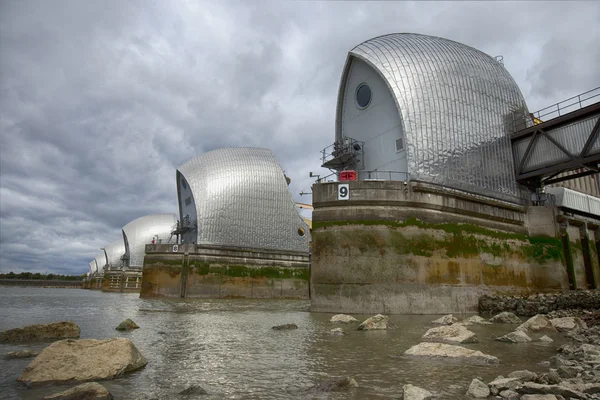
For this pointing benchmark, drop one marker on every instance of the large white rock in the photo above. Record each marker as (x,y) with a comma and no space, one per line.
(476,319)
(85,391)
(415,393)
(538,323)
(450,352)
(343,319)
(450,334)
(568,324)
(546,339)
(515,337)
(478,389)
(445,320)
(81,361)
(505,318)
(376,322)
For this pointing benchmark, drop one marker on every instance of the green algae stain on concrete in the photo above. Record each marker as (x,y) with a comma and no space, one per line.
(457,240)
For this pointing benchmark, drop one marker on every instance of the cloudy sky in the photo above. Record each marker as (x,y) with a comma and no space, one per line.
(100,101)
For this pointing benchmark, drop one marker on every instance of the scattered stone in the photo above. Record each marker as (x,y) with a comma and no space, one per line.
(85,391)
(21,354)
(127,325)
(57,330)
(505,318)
(568,372)
(515,337)
(446,320)
(546,339)
(285,327)
(568,324)
(476,319)
(337,331)
(194,390)
(450,334)
(550,378)
(509,395)
(543,364)
(82,360)
(559,304)
(536,388)
(539,397)
(538,323)
(415,393)
(336,385)
(478,389)
(449,352)
(523,375)
(498,385)
(376,322)
(343,319)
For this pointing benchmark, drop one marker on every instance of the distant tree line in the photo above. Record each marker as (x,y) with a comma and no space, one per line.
(37,275)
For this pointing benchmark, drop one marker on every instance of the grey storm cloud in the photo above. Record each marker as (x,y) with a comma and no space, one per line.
(101,101)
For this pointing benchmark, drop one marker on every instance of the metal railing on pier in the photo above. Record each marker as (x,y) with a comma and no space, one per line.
(556,110)
(375,175)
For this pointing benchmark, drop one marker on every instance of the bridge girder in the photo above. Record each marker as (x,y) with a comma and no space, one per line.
(575,161)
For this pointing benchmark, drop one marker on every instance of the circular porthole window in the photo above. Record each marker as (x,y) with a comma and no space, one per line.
(363,96)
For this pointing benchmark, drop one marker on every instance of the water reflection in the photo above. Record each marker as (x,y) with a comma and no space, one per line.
(229,348)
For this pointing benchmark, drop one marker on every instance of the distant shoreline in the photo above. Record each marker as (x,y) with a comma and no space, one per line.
(58,284)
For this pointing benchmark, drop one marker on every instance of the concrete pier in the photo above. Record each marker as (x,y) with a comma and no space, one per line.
(191,270)
(128,281)
(416,248)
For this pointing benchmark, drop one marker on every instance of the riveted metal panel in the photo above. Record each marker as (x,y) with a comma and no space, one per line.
(114,252)
(457,106)
(242,200)
(140,232)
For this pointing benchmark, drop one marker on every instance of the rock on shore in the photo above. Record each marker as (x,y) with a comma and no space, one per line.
(21,354)
(82,360)
(568,324)
(127,325)
(85,391)
(376,322)
(544,303)
(451,353)
(538,323)
(505,317)
(446,320)
(514,337)
(56,330)
(411,392)
(450,334)
(343,319)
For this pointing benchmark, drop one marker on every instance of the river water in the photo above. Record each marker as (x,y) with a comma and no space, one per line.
(229,348)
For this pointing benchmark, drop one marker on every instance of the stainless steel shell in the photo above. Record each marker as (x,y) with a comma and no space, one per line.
(238,197)
(100,261)
(93,268)
(140,232)
(114,251)
(456,106)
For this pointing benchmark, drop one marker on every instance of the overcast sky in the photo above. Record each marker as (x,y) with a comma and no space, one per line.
(101,100)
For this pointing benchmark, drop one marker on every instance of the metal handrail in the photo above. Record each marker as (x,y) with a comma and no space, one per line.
(371,175)
(556,110)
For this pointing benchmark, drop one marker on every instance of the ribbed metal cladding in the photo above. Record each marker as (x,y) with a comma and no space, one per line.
(242,200)
(138,233)
(100,261)
(114,252)
(93,268)
(456,105)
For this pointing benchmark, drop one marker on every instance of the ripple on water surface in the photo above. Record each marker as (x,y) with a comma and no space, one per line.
(229,348)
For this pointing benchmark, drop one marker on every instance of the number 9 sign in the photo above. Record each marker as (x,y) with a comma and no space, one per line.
(343,191)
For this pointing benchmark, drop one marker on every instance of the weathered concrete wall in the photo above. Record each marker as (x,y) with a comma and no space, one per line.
(395,248)
(204,272)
